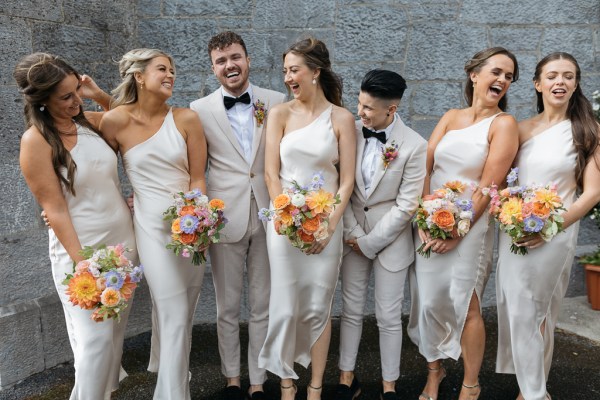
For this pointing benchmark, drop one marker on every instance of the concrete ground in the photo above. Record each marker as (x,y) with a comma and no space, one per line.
(574,375)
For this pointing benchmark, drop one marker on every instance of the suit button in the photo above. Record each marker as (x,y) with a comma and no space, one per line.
(366,208)
(251,174)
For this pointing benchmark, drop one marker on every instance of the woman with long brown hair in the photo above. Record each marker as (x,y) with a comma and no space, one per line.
(72,173)
(559,146)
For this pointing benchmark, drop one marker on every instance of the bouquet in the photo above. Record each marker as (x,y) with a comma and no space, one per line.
(522,211)
(302,213)
(443,214)
(103,282)
(195,223)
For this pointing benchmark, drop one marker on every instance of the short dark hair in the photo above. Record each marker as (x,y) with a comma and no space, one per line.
(383,84)
(224,40)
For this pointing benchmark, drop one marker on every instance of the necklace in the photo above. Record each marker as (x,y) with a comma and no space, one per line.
(70,131)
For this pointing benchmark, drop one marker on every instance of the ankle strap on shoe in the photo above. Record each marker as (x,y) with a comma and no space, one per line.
(315,388)
(471,386)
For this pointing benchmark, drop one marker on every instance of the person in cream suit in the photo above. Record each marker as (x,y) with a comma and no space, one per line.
(234,117)
(390,170)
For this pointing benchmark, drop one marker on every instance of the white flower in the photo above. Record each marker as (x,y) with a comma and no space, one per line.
(463,227)
(202,200)
(298,200)
(322,233)
(466,215)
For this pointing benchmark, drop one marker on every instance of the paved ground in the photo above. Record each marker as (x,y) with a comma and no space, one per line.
(575,373)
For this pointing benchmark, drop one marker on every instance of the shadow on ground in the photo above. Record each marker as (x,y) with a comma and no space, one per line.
(574,374)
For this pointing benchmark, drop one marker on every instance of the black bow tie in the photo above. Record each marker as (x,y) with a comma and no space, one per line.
(230,101)
(367,133)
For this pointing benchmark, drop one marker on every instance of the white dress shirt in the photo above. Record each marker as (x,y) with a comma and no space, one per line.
(241,118)
(371,157)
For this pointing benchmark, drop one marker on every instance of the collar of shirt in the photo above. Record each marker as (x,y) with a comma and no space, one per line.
(249,91)
(387,130)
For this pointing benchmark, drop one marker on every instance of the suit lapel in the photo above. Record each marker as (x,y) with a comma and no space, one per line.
(218,111)
(360,148)
(257,94)
(397,135)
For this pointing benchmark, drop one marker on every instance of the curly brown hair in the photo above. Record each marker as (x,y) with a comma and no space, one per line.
(224,40)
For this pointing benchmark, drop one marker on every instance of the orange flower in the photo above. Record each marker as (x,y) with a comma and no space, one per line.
(277,226)
(320,201)
(512,208)
(439,193)
(281,201)
(505,192)
(311,225)
(444,219)
(110,297)
(175,227)
(540,209)
(285,216)
(455,186)
(306,237)
(549,198)
(128,288)
(429,197)
(186,210)
(217,204)
(82,291)
(187,238)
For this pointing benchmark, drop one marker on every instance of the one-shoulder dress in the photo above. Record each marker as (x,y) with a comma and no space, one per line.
(157,168)
(442,285)
(302,286)
(530,288)
(100,216)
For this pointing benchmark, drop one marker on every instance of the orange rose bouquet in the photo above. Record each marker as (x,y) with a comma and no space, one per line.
(522,211)
(195,223)
(103,282)
(302,213)
(444,214)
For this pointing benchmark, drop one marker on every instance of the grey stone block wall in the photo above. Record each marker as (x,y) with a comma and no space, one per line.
(426,41)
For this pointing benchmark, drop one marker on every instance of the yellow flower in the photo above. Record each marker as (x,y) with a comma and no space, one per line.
(548,198)
(512,208)
(82,291)
(217,204)
(320,201)
(455,186)
(281,201)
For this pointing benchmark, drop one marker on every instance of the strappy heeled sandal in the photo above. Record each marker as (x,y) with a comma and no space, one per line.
(316,389)
(424,395)
(471,387)
(291,387)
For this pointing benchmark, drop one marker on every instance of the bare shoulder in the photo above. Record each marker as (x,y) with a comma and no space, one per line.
(280,111)
(32,139)
(117,117)
(185,115)
(340,115)
(505,121)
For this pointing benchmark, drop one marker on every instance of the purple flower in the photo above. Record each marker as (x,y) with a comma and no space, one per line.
(192,194)
(317,181)
(114,279)
(264,214)
(188,223)
(512,175)
(137,274)
(515,190)
(533,224)
(464,204)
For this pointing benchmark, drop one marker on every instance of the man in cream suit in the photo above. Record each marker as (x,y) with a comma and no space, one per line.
(234,117)
(377,227)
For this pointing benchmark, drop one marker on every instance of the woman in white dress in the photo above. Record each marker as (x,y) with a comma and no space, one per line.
(164,152)
(308,134)
(72,173)
(475,145)
(559,145)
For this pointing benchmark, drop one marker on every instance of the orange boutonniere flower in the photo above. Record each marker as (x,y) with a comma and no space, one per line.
(260,112)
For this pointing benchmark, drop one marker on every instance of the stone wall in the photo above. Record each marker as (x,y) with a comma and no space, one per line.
(426,41)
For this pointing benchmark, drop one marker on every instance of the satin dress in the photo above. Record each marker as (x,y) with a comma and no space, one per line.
(302,286)
(157,168)
(530,288)
(100,216)
(442,285)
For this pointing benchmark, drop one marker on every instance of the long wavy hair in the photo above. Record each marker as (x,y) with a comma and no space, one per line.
(316,56)
(136,60)
(477,62)
(583,123)
(37,76)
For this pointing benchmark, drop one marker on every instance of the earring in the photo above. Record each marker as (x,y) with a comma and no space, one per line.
(314,81)
(43,107)
(388,114)
(141,85)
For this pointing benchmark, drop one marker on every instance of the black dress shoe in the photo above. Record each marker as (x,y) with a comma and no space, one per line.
(345,392)
(389,395)
(233,393)
(257,395)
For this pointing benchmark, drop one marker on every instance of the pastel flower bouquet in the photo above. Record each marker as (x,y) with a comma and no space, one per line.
(103,282)
(523,211)
(302,213)
(444,214)
(195,223)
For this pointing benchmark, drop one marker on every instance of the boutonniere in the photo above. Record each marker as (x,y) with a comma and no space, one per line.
(389,153)
(260,112)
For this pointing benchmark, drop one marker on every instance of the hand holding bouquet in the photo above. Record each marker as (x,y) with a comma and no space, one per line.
(103,282)
(443,214)
(195,223)
(523,211)
(302,213)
